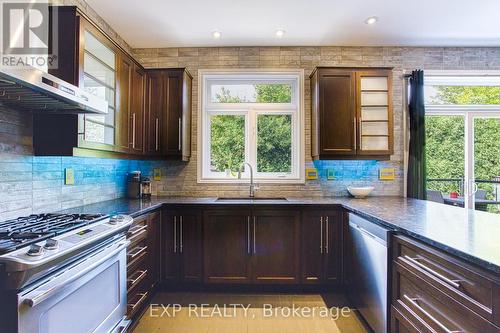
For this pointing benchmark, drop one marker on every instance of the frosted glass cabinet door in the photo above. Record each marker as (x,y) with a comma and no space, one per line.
(374,83)
(375,143)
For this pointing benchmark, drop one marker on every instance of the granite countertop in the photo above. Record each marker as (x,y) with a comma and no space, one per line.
(471,235)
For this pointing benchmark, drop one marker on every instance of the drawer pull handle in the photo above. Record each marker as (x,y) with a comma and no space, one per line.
(139,301)
(453,283)
(414,302)
(137,229)
(140,274)
(138,250)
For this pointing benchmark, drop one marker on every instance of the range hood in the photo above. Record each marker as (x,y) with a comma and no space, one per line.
(34,90)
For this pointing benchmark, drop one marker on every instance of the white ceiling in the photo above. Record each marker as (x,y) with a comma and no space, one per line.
(177,23)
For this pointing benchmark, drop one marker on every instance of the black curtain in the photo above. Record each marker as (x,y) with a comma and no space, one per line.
(416,179)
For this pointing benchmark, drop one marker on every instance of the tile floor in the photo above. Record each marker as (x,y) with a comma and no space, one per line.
(249,313)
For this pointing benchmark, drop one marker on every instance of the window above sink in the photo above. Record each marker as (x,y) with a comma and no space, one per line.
(255,117)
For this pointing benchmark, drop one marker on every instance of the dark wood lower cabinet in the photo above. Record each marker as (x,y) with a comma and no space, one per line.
(227,245)
(276,255)
(182,246)
(321,240)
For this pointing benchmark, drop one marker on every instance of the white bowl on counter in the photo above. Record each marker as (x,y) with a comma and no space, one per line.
(360,191)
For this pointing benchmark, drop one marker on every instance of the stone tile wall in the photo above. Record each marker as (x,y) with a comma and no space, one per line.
(182,180)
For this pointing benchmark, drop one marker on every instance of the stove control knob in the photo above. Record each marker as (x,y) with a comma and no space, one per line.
(35,250)
(116,219)
(51,244)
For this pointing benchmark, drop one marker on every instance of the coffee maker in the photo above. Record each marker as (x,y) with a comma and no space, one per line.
(134,185)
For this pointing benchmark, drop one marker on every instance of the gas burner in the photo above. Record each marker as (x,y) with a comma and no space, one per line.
(33,228)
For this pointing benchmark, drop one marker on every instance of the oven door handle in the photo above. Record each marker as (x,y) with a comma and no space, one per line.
(38,298)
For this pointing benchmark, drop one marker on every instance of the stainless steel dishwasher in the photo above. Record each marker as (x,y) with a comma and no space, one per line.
(367,277)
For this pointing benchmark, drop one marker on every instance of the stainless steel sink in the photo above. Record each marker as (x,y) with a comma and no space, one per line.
(252,199)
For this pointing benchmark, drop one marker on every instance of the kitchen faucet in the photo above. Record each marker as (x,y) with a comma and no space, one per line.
(253,187)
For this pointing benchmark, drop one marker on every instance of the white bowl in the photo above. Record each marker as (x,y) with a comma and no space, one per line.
(361,191)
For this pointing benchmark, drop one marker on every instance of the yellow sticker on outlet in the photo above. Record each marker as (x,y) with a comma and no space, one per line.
(157,174)
(387,174)
(69,176)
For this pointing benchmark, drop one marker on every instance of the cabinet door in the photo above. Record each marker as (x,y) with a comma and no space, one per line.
(276,251)
(137,110)
(337,110)
(170,243)
(190,246)
(154,109)
(374,112)
(154,236)
(333,246)
(312,246)
(125,69)
(172,141)
(227,247)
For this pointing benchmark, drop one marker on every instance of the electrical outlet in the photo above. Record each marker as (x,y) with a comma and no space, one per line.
(330,174)
(69,176)
(156,174)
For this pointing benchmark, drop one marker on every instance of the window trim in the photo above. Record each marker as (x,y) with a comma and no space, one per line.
(296,109)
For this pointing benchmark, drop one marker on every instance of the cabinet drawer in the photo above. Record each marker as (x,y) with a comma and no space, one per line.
(430,310)
(477,290)
(401,324)
(138,231)
(136,277)
(137,298)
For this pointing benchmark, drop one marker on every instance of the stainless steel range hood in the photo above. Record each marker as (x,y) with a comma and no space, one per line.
(34,90)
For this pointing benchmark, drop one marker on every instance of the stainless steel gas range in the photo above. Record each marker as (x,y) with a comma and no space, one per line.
(63,273)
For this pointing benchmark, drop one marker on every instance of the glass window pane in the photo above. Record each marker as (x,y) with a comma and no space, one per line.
(374,128)
(96,69)
(445,152)
(251,93)
(374,113)
(99,50)
(227,142)
(374,83)
(98,133)
(374,98)
(108,119)
(462,95)
(487,163)
(274,143)
(95,88)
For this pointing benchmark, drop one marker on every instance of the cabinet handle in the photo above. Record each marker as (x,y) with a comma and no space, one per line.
(133,280)
(355,133)
(180,134)
(141,299)
(321,235)
(248,234)
(175,234)
(180,234)
(453,283)
(254,237)
(133,130)
(327,235)
(413,301)
(138,250)
(157,125)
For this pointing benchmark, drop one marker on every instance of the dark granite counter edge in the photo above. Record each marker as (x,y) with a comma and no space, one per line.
(372,218)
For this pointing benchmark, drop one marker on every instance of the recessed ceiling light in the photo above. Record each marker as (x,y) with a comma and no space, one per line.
(216,34)
(280,33)
(371,20)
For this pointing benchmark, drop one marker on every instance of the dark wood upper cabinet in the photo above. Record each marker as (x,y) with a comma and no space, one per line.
(351,113)
(169,113)
(137,110)
(122,113)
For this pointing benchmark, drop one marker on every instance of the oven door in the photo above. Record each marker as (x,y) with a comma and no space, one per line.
(89,296)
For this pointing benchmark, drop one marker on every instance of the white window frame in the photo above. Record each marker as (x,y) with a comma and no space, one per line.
(468,112)
(206,78)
